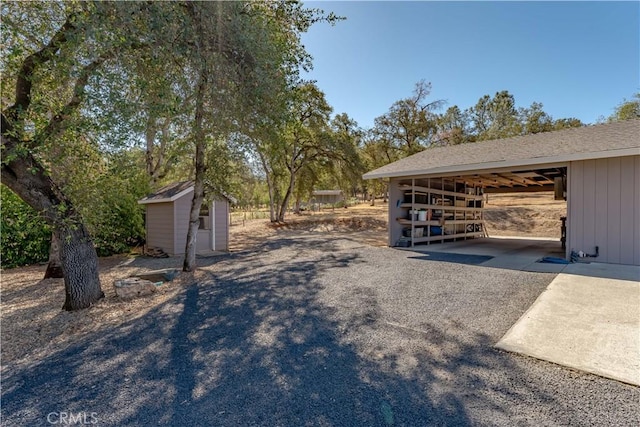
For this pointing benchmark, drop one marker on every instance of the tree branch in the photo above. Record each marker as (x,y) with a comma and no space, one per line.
(25,76)
(55,126)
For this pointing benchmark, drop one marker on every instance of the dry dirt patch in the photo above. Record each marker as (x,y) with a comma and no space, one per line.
(365,223)
(34,325)
(524,214)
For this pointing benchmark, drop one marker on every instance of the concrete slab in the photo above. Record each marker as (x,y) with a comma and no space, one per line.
(588,318)
(512,253)
(540,267)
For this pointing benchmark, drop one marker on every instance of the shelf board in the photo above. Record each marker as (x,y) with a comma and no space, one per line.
(418,223)
(446,236)
(437,222)
(422,190)
(439,207)
(462,221)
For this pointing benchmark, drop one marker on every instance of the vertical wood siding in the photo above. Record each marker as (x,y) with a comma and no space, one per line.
(395,195)
(160,226)
(221,225)
(182,207)
(604,208)
(203,243)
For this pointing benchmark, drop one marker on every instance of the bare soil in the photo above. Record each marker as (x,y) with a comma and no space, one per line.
(525,214)
(33,323)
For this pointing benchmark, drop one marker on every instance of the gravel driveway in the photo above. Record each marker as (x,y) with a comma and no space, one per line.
(316,330)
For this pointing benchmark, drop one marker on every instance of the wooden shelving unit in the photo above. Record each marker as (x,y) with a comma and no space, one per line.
(435,211)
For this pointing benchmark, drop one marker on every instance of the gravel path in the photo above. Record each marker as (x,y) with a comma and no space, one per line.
(310,330)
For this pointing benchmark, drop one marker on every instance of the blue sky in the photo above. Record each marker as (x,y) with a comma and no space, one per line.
(579,59)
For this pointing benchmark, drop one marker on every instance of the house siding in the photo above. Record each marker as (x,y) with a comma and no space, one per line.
(220,225)
(182,208)
(159,226)
(203,243)
(395,197)
(604,208)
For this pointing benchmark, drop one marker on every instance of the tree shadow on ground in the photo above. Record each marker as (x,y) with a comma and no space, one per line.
(254,344)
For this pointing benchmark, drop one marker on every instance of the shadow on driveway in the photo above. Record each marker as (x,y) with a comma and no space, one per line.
(255,344)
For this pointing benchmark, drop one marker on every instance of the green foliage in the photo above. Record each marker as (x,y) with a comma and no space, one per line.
(453,127)
(117,222)
(308,150)
(627,109)
(496,117)
(410,124)
(25,237)
(113,215)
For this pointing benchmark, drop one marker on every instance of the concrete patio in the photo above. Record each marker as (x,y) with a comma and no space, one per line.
(588,318)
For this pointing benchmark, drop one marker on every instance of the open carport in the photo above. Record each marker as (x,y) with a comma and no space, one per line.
(435,196)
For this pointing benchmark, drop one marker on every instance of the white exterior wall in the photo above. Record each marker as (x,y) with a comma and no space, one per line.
(203,242)
(603,209)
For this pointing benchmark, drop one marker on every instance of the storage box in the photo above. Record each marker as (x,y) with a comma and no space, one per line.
(403,243)
(419,198)
(417,232)
(443,202)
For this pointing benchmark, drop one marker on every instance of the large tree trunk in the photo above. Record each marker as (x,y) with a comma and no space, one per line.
(198,192)
(80,267)
(194,223)
(25,175)
(270,187)
(287,196)
(54,267)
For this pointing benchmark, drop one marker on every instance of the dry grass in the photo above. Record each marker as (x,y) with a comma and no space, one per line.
(33,323)
(525,214)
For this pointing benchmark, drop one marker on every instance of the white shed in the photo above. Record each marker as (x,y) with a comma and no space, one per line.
(167,220)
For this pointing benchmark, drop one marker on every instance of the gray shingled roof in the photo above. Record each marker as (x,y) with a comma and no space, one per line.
(172,191)
(588,142)
(168,192)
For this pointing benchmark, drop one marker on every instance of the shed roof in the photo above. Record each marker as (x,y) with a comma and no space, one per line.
(588,142)
(174,191)
(168,193)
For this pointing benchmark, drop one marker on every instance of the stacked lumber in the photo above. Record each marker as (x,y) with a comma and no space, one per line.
(155,252)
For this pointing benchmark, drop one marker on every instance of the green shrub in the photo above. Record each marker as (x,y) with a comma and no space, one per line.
(25,237)
(117,223)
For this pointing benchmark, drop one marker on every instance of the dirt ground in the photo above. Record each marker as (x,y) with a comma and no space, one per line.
(526,214)
(33,323)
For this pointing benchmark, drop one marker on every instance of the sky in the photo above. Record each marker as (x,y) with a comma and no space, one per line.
(579,59)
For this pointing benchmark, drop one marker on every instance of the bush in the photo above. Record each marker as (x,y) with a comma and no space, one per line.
(25,237)
(116,223)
